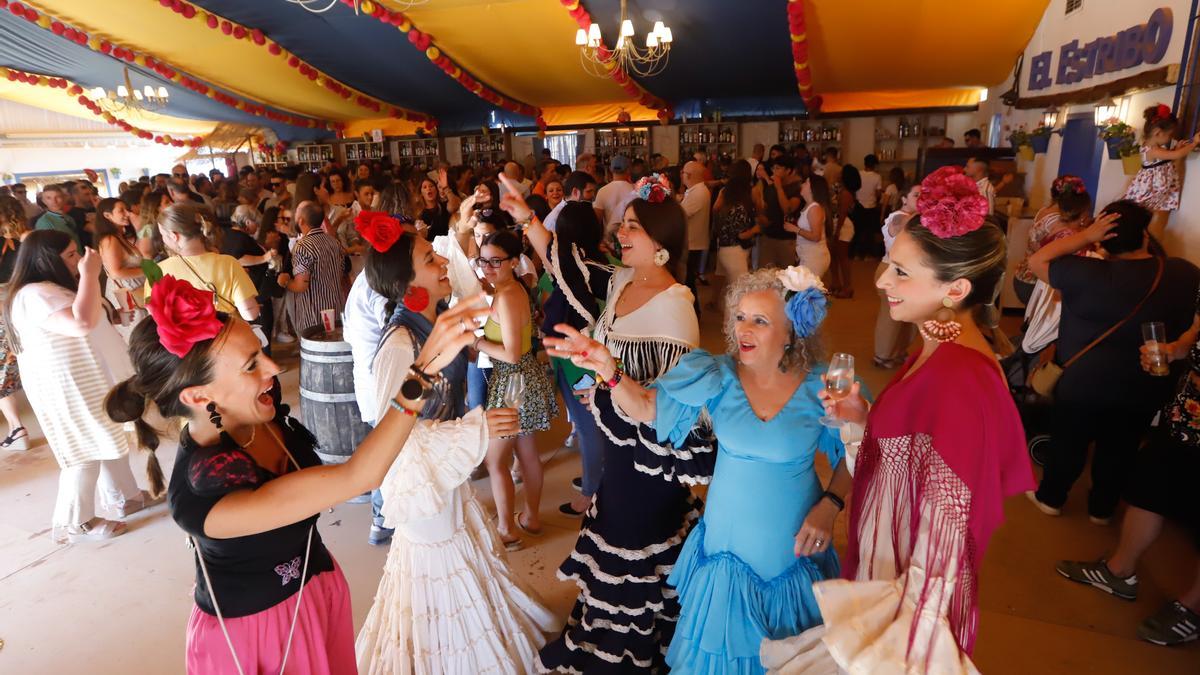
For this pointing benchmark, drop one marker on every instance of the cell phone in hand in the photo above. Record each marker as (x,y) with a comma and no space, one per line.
(587,381)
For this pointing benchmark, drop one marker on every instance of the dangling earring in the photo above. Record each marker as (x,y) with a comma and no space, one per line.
(661,257)
(416,299)
(943,327)
(213,415)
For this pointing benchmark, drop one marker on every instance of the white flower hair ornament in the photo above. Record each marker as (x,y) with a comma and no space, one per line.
(806,303)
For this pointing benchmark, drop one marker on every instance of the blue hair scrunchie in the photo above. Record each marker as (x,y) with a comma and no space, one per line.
(806,310)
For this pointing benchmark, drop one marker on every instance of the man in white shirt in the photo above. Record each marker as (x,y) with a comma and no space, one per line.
(977,169)
(363,324)
(586,163)
(697,206)
(514,172)
(864,244)
(579,187)
(756,157)
(612,198)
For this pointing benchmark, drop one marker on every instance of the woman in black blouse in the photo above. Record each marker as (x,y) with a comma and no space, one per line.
(248,486)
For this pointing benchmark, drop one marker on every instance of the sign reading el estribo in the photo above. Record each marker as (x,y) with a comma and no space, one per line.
(1144,43)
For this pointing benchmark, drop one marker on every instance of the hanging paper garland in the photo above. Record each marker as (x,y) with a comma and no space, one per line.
(796,26)
(130,56)
(13,75)
(240,32)
(580,14)
(439,58)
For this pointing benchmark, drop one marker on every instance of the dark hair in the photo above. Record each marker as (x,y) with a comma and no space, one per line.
(306,188)
(267,226)
(785,161)
(104,227)
(896,177)
(820,192)
(737,188)
(310,214)
(362,183)
(390,272)
(1072,204)
(1133,220)
(1156,122)
(577,180)
(39,259)
(395,199)
(871,161)
(539,205)
(666,224)
(830,152)
(973,133)
(578,224)
(851,178)
(340,173)
(982,160)
(505,240)
(979,256)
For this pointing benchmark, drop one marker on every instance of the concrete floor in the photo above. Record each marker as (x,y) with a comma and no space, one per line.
(121,607)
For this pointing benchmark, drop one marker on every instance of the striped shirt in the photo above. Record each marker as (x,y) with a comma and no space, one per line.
(320,257)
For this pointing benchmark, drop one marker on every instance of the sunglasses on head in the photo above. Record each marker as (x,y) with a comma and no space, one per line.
(284,219)
(276,183)
(494,263)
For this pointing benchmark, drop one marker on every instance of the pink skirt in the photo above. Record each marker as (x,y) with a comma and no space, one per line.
(323,643)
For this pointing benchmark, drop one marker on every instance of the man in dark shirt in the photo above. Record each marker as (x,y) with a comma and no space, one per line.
(84,211)
(781,195)
(57,200)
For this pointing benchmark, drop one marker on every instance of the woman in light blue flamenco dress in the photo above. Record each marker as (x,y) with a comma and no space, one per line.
(746,571)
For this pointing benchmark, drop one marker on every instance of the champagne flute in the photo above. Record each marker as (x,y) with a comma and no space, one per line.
(514,391)
(839,380)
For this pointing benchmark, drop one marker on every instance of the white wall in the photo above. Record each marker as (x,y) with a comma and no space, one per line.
(665,141)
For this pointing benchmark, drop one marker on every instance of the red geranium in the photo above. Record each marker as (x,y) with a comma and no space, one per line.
(950,203)
(185,314)
(378,228)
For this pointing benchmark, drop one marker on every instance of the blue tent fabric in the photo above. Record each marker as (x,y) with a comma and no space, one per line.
(28,47)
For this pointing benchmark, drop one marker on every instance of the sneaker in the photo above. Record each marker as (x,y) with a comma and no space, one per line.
(285,339)
(570,442)
(577,483)
(379,536)
(1174,624)
(1044,508)
(1102,522)
(569,512)
(1097,574)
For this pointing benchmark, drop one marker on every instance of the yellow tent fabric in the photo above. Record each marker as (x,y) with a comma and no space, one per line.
(524,48)
(58,100)
(862,101)
(208,54)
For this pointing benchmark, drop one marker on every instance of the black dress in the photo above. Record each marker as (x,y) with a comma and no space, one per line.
(625,616)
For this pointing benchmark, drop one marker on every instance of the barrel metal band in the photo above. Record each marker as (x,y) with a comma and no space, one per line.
(326,398)
(322,346)
(321,358)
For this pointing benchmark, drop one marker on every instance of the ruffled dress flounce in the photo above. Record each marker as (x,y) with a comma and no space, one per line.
(447,602)
(737,577)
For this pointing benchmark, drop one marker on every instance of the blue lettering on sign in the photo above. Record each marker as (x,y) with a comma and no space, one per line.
(1129,48)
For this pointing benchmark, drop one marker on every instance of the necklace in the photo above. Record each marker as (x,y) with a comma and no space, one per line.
(253,432)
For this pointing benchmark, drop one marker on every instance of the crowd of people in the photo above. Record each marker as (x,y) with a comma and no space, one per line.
(480,302)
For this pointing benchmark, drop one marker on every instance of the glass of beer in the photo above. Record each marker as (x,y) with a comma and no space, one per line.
(1154,334)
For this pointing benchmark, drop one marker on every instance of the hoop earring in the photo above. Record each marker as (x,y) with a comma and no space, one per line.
(661,257)
(213,415)
(942,327)
(416,299)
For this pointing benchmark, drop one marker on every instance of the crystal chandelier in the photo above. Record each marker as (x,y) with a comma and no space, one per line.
(315,6)
(646,61)
(128,98)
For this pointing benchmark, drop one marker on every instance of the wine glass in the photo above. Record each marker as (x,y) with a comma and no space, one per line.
(514,391)
(839,379)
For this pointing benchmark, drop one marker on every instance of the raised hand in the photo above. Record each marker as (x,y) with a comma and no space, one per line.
(582,351)
(454,330)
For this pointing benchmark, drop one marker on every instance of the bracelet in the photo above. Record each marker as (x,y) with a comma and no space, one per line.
(616,379)
(837,501)
(429,379)
(396,406)
(475,344)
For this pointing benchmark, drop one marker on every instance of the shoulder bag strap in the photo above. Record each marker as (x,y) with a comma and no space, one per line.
(1122,322)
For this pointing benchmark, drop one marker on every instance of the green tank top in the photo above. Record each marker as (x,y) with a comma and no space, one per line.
(491,331)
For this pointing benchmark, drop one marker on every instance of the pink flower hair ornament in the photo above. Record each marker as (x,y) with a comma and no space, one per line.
(183,314)
(654,188)
(950,204)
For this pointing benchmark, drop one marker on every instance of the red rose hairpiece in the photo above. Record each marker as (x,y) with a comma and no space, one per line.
(1163,112)
(378,228)
(653,188)
(184,314)
(1068,183)
(950,204)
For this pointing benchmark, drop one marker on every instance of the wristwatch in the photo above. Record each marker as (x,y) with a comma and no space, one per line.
(418,384)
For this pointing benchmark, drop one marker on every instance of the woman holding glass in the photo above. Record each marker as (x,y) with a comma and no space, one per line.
(518,381)
(746,571)
(942,448)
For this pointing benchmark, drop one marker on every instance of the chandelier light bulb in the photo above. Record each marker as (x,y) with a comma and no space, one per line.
(659,27)
(651,40)
(594,35)
(581,38)
(148,91)
(98,93)
(162,93)
(626,28)
(665,37)
(138,95)
(122,92)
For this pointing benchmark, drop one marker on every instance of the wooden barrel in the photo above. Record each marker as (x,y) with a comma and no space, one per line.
(327,404)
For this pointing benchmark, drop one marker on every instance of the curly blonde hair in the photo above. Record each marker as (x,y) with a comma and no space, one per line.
(802,353)
(12,218)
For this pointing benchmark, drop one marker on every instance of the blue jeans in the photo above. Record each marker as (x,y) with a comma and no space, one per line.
(477,379)
(589,438)
(376,508)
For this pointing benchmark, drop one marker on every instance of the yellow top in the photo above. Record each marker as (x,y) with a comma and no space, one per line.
(227,276)
(491,331)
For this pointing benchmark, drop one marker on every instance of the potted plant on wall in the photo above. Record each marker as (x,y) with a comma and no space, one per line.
(1039,138)
(1019,139)
(1116,134)
(1131,157)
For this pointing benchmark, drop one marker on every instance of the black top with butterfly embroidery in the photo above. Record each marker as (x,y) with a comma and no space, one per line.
(255,572)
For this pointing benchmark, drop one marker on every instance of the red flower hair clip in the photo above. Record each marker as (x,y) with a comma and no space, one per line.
(184,314)
(950,204)
(1068,183)
(378,228)
(654,188)
(1163,112)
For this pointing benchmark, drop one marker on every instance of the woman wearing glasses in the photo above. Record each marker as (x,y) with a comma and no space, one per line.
(518,381)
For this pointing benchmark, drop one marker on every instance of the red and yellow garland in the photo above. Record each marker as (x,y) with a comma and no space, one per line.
(96,44)
(13,75)
(439,58)
(796,27)
(255,35)
(577,11)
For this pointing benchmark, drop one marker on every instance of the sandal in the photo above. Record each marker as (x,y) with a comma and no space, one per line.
(527,530)
(96,529)
(17,440)
(512,545)
(132,506)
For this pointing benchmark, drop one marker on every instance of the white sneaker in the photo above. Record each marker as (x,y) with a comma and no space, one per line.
(285,339)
